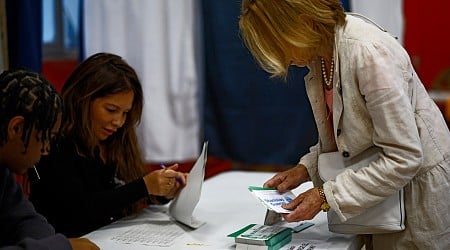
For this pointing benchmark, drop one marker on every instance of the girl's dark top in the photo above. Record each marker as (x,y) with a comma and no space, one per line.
(20,226)
(79,194)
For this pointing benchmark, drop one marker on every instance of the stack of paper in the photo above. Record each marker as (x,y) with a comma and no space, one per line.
(261,237)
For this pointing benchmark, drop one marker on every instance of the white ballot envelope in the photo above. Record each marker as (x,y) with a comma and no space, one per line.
(273,199)
(183,205)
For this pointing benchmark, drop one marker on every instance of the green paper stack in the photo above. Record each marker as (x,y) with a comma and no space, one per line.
(261,237)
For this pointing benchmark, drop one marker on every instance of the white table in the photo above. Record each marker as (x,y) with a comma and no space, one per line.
(226,205)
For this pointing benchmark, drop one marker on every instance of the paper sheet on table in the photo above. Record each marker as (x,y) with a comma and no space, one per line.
(183,205)
(302,244)
(152,233)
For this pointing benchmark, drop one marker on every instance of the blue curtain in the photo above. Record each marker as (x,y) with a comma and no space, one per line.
(24,27)
(82,49)
(248,117)
(346,5)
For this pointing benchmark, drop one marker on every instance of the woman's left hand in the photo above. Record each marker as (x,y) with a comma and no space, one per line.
(305,207)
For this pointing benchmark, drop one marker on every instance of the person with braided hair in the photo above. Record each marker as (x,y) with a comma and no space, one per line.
(30,118)
(96,170)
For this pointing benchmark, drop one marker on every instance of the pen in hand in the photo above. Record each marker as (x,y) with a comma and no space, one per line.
(178,179)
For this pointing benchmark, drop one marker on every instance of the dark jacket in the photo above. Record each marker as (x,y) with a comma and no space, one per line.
(79,194)
(21,227)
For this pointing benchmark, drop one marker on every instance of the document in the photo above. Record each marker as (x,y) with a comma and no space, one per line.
(272,199)
(155,233)
(301,244)
(183,205)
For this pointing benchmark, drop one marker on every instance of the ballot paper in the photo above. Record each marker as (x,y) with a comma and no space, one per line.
(272,199)
(152,233)
(183,205)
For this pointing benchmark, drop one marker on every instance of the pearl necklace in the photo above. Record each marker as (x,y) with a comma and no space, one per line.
(328,82)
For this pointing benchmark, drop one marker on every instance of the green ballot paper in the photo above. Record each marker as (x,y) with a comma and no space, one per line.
(274,237)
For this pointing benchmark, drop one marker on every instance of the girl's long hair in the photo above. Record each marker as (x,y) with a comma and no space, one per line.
(98,76)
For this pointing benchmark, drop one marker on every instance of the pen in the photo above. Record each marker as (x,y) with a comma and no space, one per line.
(177,178)
(37,174)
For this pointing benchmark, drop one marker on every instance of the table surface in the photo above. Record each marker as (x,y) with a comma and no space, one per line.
(225,206)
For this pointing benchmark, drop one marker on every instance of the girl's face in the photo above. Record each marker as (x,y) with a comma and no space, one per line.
(109,113)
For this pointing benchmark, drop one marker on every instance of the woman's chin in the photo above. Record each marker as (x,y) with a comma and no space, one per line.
(103,137)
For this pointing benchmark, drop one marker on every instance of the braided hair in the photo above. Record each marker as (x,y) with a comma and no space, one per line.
(28,94)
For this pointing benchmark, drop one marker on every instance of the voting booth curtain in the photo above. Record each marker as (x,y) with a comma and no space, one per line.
(160,39)
(250,118)
(427,41)
(386,13)
(24,34)
(417,24)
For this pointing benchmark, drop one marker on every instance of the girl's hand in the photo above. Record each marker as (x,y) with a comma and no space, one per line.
(165,182)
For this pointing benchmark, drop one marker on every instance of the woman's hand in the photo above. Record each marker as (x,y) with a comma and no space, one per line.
(180,182)
(304,207)
(165,182)
(82,244)
(289,179)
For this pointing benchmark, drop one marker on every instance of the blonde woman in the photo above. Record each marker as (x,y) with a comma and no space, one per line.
(360,86)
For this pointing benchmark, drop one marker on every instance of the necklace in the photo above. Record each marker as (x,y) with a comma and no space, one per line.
(328,82)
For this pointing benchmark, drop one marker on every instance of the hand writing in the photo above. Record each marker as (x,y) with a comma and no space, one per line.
(163,182)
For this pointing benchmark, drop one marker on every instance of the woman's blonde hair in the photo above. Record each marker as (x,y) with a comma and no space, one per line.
(272,28)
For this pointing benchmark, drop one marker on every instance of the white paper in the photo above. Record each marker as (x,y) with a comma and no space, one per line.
(293,245)
(273,199)
(302,244)
(157,233)
(183,205)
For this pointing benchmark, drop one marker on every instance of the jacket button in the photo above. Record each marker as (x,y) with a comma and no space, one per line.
(345,154)
(338,132)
